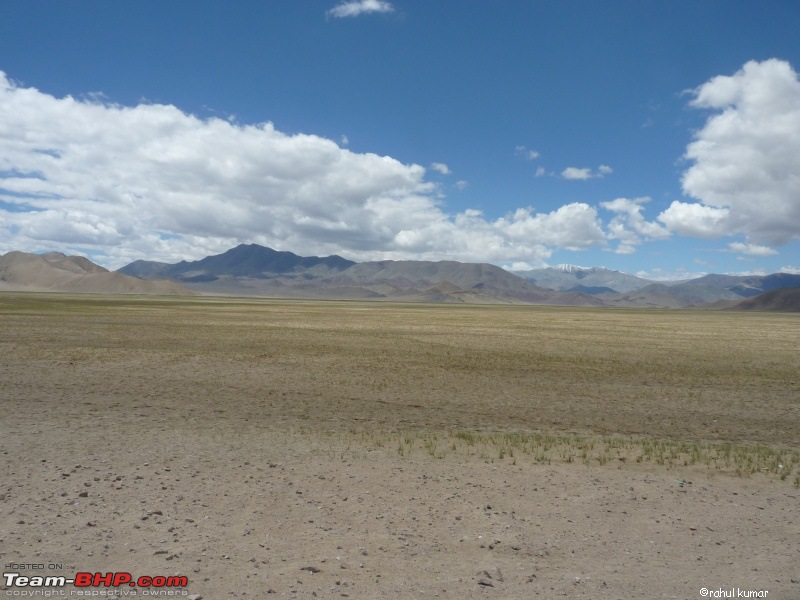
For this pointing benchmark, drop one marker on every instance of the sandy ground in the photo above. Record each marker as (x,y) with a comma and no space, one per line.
(120,462)
(245,517)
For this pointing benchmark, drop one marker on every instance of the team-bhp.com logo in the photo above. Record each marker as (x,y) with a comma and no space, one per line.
(85,580)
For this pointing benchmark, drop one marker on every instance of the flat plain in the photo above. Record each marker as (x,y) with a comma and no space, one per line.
(365,450)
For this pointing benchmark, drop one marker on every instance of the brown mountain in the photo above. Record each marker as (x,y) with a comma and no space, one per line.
(57,272)
(783,300)
(457,282)
(655,295)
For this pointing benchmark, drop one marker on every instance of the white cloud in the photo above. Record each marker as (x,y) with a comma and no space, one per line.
(790,270)
(586,173)
(150,181)
(344,141)
(576,173)
(541,171)
(461,184)
(629,225)
(441,168)
(695,220)
(360,7)
(751,249)
(573,226)
(746,159)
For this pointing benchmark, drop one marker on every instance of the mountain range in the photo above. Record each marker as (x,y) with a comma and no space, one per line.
(615,288)
(253,270)
(589,280)
(250,269)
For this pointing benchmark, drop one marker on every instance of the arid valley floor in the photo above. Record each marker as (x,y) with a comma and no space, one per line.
(291,449)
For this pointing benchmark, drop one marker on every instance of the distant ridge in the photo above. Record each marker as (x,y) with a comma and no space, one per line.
(57,272)
(569,277)
(655,295)
(245,260)
(781,300)
(475,278)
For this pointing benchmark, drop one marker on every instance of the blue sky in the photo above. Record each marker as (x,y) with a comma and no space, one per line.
(660,138)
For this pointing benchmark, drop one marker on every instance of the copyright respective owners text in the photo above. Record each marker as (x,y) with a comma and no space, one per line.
(733,592)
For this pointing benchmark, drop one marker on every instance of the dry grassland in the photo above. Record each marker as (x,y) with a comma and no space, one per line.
(120,383)
(333,366)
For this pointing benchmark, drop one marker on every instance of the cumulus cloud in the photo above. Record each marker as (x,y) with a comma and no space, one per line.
(360,7)
(629,226)
(586,172)
(746,159)
(695,220)
(751,249)
(573,226)
(151,181)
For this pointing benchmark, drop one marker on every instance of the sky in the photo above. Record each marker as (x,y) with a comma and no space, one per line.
(656,138)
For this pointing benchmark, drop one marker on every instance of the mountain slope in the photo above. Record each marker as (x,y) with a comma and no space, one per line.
(475,278)
(655,295)
(703,291)
(711,288)
(782,300)
(56,272)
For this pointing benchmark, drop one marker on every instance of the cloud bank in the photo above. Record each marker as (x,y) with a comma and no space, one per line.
(150,181)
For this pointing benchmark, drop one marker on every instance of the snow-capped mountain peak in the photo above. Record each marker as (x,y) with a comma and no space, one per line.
(571,268)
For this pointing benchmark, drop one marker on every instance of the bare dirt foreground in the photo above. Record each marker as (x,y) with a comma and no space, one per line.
(318,449)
